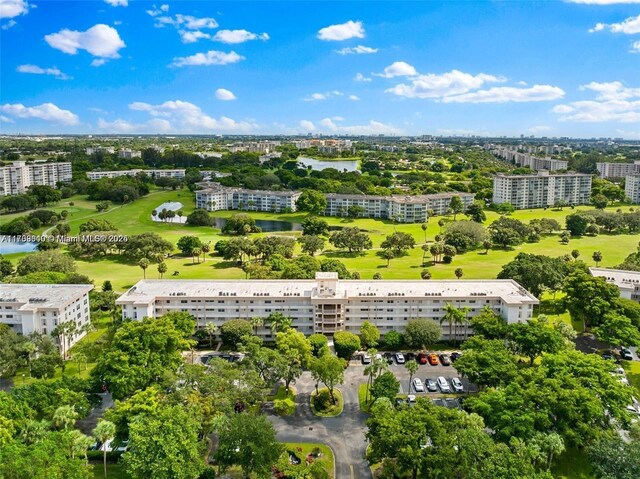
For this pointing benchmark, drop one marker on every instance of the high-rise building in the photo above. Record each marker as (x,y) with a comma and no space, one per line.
(617,170)
(632,188)
(542,190)
(39,308)
(15,179)
(326,304)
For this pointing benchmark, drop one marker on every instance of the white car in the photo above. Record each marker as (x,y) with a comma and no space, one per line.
(400,358)
(418,386)
(443,384)
(411,398)
(457,385)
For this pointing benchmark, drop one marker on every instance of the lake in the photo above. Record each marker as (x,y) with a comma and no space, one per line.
(7,247)
(170,206)
(340,165)
(267,226)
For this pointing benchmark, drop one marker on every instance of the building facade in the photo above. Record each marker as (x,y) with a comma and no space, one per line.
(39,308)
(628,282)
(160,173)
(129,154)
(326,304)
(525,159)
(16,179)
(542,190)
(617,170)
(216,197)
(632,188)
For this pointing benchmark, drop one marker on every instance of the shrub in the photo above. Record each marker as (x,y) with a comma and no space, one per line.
(346,344)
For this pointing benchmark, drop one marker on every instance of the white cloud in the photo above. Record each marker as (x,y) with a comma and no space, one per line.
(46,111)
(155,125)
(371,128)
(629,26)
(98,62)
(212,57)
(437,86)
(354,97)
(307,125)
(342,31)
(36,70)
(6,119)
(398,69)
(508,94)
(117,3)
(358,50)
(191,118)
(158,11)
(8,25)
(361,78)
(635,47)
(180,21)
(224,94)
(540,129)
(322,96)
(188,36)
(613,102)
(238,36)
(13,8)
(100,41)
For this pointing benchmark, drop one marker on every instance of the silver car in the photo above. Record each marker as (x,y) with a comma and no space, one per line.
(457,385)
(418,386)
(443,384)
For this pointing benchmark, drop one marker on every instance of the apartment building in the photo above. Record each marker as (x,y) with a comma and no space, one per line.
(39,308)
(326,304)
(526,159)
(100,149)
(15,179)
(216,197)
(628,282)
(632,188)
(542,190)
(263,147)
(269,156)
(617,170)
(97,175)
(128,154)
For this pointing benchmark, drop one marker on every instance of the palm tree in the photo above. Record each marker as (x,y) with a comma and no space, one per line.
(412,367)
(451,316)
(162,268)
(64,417)
(34,430)
(154,213)
(103,432)
(29,349)
(256,322)
(206,248)
(210,328)
(63,331)
(466,310)
(179,213)
(424,228)
(79,443)
(144,264)
(195,253)
(425,250)
(597,257)
(278,322)
(459,273)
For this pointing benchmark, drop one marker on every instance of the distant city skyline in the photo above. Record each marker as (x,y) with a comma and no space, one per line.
(554,69)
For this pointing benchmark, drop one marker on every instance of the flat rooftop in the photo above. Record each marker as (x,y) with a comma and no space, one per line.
(42,296)
(146,291)
(620,277)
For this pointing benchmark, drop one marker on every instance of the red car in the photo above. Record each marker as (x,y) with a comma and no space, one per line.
(422,358)
(433,359)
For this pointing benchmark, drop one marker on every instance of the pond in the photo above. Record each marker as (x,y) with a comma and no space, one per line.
(9,247)
(340,165)
(170,206)
(267,226)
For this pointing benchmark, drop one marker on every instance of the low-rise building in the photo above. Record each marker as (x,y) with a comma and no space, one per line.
(326,304)
(217,197)
(16,179)
(129,154)
(632,188)
(526,159)
(40,308)
(628,282)
(542,190)
(157,173)
(92,150)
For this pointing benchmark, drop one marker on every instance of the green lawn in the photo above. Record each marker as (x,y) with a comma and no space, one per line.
(633,373)
(332,410)
(135,218)
(302,449)
(284,402)
(114,471)
(572,464)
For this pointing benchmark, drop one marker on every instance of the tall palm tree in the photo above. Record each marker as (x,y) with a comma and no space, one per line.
(206,248)
(29,349)
(278,322)
(79,443)
(465,311)
(412,367)
(210,328)
(162,268)
(256,322)
(450,317)
(424,228)
(144,264)
(103,432)
(65,417)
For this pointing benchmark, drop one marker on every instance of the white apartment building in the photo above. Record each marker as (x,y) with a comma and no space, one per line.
(326,304)
(525,159)
(129,154)
(216,197)
(15,179)
(159,173)
(542,190)
(39,308)
(617,170)
(100,149)
(632,188)
(263,147)
(628,282)
(270,156)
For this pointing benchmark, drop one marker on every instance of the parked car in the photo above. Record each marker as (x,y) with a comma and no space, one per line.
(378,356)
(418,386)
(422,358)
(366,359)
(457,385)
(433,359)
(431,384)
(122,447)
(443,384)
(455,356)
(400,358)
(411,398)
(625,353)
(445,360)
(410,356)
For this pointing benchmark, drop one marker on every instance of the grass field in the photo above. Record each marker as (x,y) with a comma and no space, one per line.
(114,471)
(302,449)
(135,218)
(572,464)
(362,398)
(286,399)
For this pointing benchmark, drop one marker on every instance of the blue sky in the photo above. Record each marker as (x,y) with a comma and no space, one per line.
(490,68)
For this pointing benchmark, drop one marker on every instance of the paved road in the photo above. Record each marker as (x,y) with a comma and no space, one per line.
(344,434)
